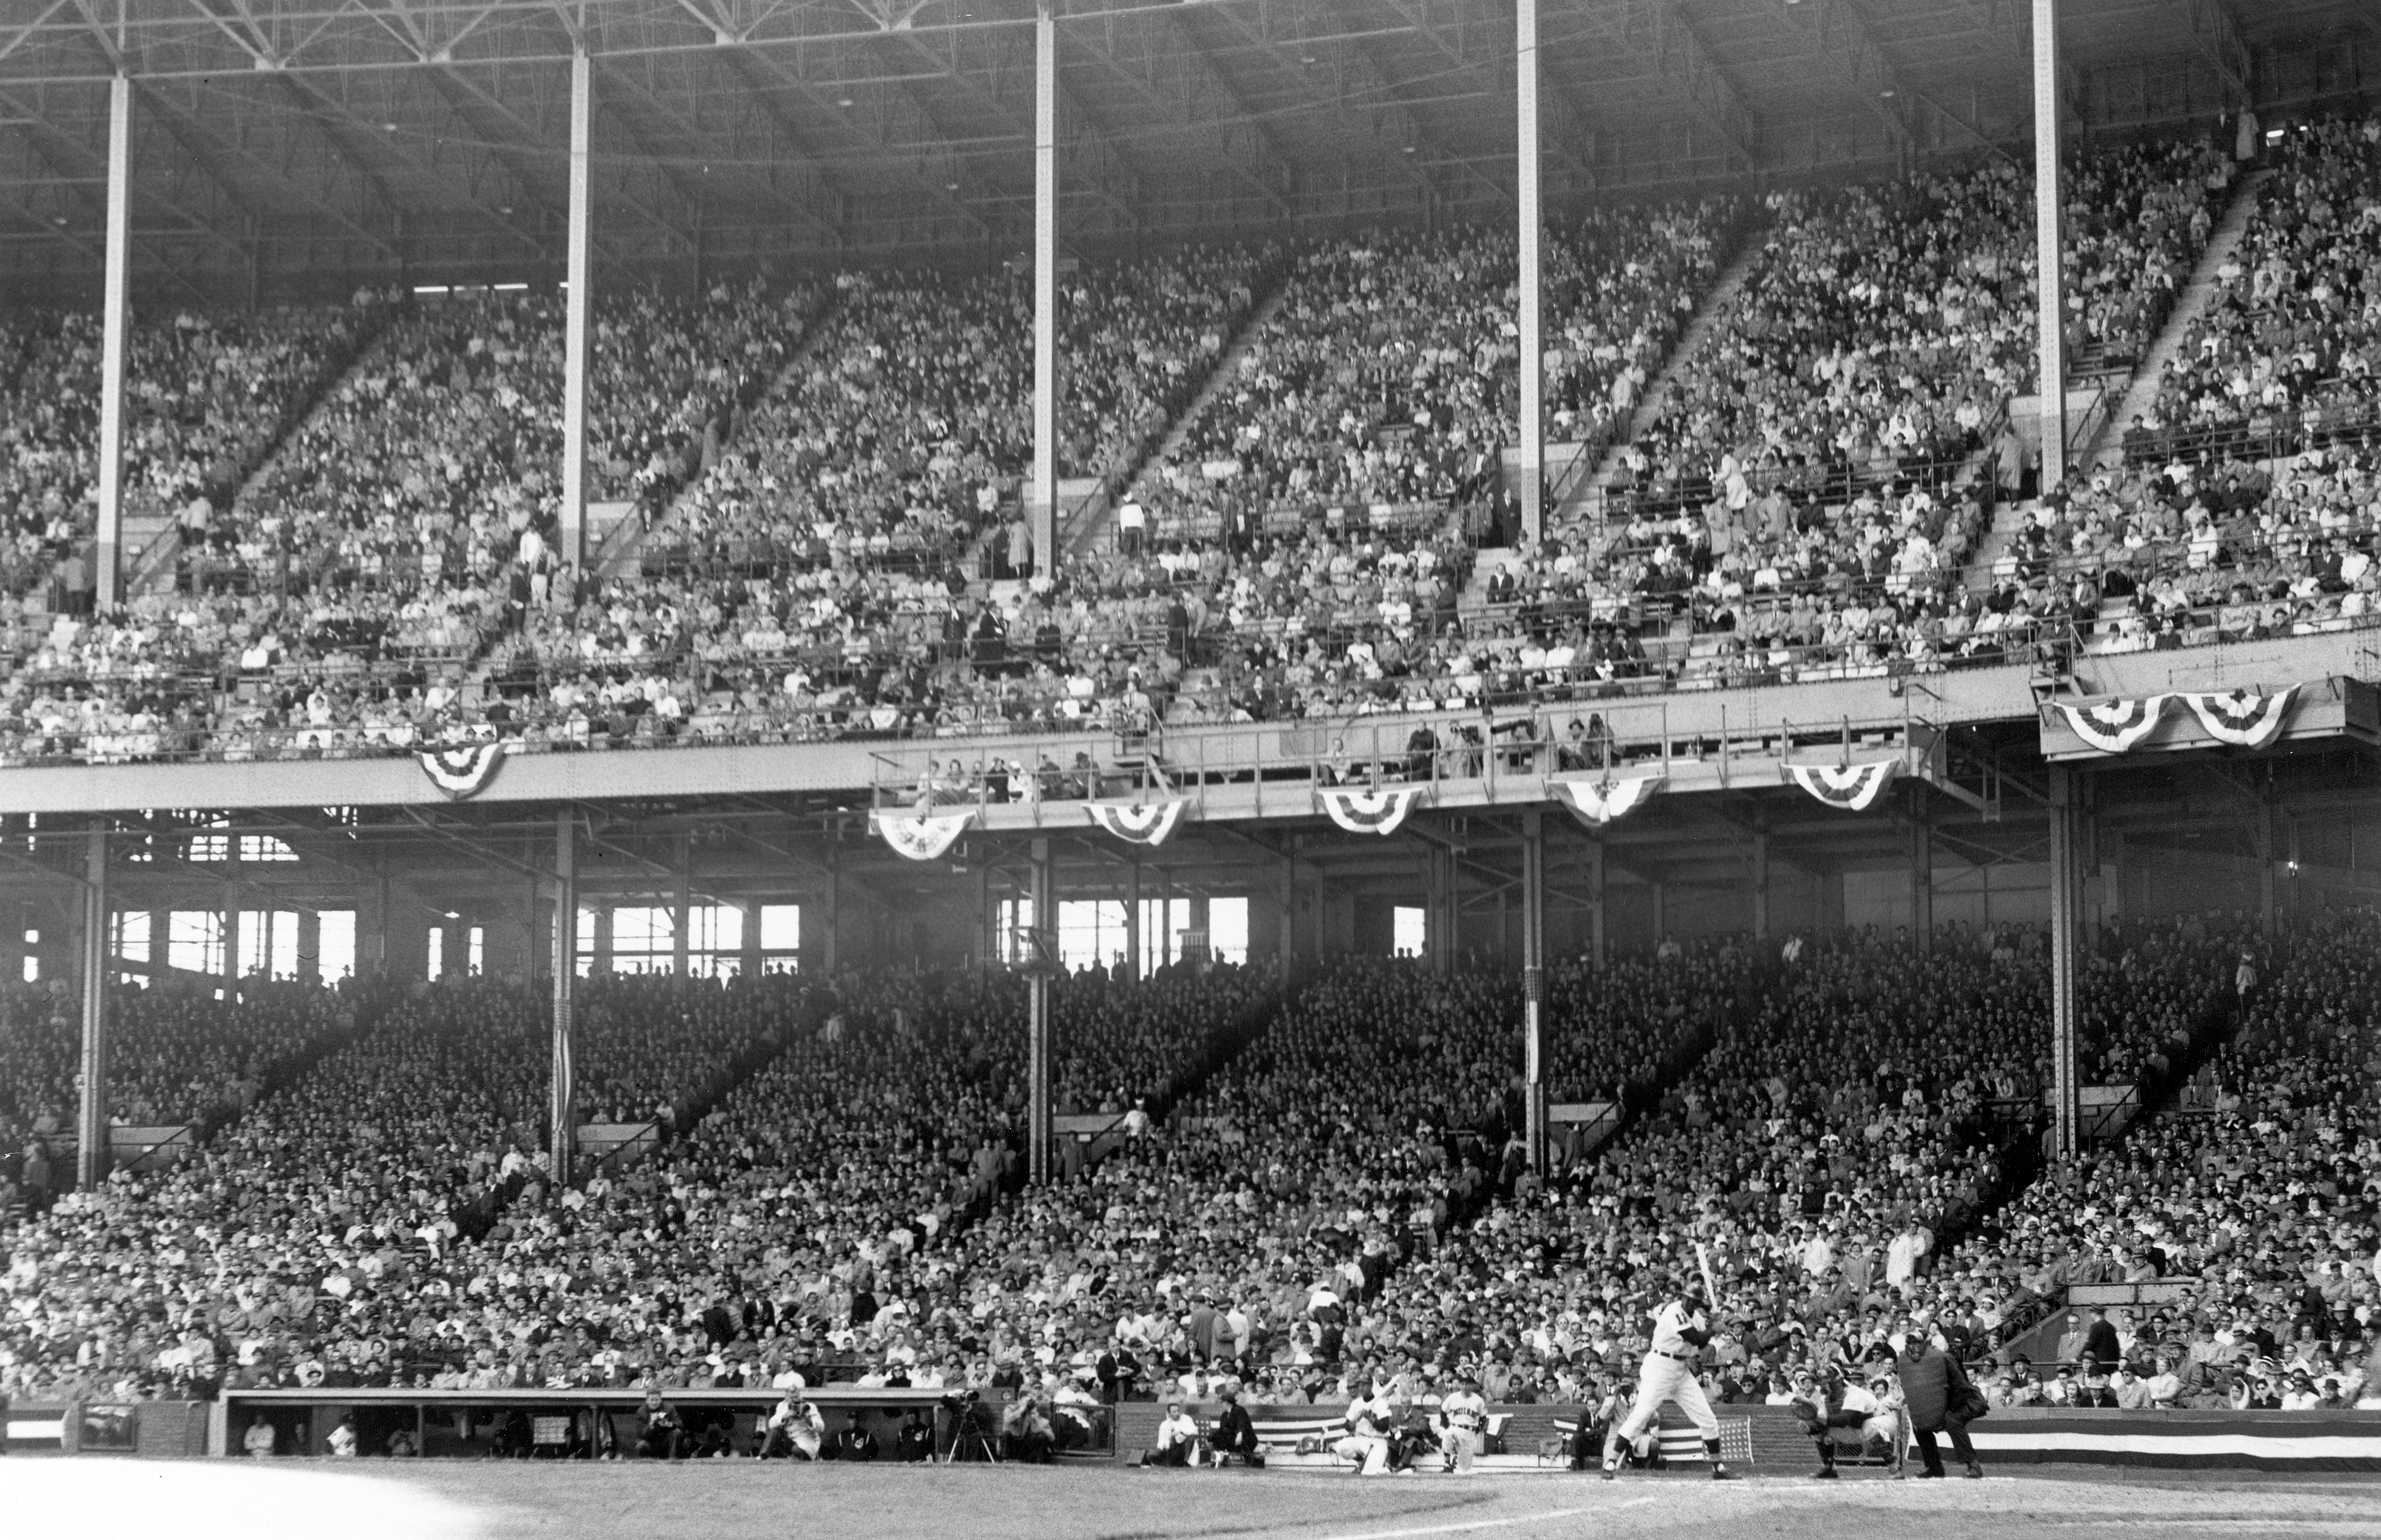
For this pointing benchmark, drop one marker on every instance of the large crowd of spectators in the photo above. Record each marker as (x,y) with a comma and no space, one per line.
(1306,1196)
(2283,356)
(817,538)
(2257,1195)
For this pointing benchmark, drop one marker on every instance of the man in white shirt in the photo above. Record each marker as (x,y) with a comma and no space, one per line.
(1178,1438)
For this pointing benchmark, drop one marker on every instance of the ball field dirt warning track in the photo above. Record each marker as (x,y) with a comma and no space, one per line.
(201,1500)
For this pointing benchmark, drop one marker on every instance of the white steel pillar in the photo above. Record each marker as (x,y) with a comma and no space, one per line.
(574,324)
(107,552)
(2051,290)
(1042,498)
(2065,892)
(1533,976)
(1039,1026)
(562,1119)
(1532,345)
(91,1123)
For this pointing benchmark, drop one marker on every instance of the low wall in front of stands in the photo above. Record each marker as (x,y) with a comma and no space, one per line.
(166,1430)
(2309,1441)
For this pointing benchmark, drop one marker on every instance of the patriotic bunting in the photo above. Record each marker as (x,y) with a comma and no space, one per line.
(1850,786)
(1596,803)
(920,835)
(462,770)
(2241,716)
(1361,812)
(2113,727)
(1137,824)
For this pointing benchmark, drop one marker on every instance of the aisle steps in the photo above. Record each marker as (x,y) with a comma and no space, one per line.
(2222,242)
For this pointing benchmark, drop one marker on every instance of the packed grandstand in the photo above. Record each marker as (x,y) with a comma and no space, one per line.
(1793,459)
(1323,1183)
(1292,454)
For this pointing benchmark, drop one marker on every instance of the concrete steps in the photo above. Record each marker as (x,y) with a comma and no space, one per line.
(619,553)
(1473,600)
(1226,370)
(1706,321)
(157,535)
(1087,523)
(2222,242)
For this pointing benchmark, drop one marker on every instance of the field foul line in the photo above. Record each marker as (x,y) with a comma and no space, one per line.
(1489,1523)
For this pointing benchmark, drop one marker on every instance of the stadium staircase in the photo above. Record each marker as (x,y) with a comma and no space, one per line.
(1273,289)
(2107,445)
(2222,242)
(1096,515)
(619,554)
(1708,317)
(156,535)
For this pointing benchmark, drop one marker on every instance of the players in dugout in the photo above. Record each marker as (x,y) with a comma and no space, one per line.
(1682,1327)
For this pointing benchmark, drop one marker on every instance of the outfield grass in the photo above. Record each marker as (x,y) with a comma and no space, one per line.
(436,1501)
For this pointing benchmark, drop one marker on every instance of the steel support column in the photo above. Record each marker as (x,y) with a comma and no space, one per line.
(1757,863)
(1042,498)
(575,310)
(1040,1024)
(2262,840)
(1532,218)
(1595,901)
(1286,897)
(107,551)
(1533,979)
(831,934)
(2066,904)
(2050,291)
(1921,870)
(562,1121)
(91,1119)
(682,908)
(1132,921)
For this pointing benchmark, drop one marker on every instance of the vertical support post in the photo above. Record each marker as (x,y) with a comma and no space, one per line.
(831,934)
(574,322)
(1595,901)
(1534,978)
(1438,913)
(1039,1026)
(90,1121)
(1757,860)
(1132,920)
(310,945)
(1532,216)
(107,553)
(2262,838)
(563,1122)
(2066,894)
(1661,911)
(682,908)
(1286,892)
(234,931)
(1921,870)
(2051,287)
(1042,500)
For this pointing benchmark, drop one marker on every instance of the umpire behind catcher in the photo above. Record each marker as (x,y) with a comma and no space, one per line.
(1938,1397)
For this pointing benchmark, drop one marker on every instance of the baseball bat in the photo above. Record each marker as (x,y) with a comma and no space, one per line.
(1711,1289)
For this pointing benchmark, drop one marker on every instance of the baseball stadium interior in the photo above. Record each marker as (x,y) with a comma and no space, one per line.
(1568,737)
